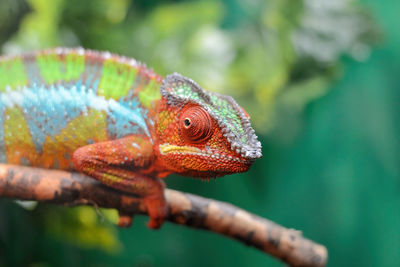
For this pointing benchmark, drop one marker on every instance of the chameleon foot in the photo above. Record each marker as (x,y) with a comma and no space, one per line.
(125,219)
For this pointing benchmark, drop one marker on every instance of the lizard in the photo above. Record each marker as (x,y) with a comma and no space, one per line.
(117,121)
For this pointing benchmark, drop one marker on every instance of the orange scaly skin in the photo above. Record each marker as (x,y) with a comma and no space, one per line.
(118,122)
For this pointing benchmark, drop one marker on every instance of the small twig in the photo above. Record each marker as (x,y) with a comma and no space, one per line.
(66,188)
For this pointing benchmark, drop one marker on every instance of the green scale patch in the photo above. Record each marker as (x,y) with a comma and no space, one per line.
(54,67)
(149,94)
(185,91)
(224,109)
(12,73)
(116,79)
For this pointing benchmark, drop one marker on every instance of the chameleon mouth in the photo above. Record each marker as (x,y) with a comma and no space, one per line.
(190,150)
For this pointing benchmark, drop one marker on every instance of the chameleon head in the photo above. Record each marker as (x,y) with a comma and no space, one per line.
(202,134)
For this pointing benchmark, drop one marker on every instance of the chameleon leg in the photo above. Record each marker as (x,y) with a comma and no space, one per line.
(120,164)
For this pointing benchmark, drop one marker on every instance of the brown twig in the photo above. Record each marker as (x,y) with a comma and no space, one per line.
(66,188)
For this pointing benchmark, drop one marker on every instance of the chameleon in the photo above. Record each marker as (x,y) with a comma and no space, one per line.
(114,119)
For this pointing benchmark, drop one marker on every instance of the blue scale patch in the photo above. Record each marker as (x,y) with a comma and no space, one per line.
(126,117)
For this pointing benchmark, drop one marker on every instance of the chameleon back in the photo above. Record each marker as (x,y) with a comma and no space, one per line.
(55,101)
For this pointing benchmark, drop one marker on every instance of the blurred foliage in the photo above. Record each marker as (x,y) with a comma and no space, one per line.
(260,51)
(11,13)
(323,100)
(84,226)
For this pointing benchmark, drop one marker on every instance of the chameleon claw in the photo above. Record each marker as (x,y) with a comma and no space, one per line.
(157,209)
(125,219)
(155,223)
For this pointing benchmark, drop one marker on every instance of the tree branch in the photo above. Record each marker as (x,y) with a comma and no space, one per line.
(66,188)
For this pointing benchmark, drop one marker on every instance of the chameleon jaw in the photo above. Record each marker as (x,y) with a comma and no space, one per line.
(190,150)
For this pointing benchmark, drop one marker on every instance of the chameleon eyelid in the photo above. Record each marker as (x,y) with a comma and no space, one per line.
(196,124)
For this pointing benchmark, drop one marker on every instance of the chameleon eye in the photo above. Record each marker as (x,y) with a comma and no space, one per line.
(196,124)
(187,122)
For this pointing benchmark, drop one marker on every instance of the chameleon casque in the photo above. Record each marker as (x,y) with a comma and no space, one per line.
(115,120)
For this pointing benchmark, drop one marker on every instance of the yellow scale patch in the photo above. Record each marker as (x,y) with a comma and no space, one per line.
(116,79)
(165,118)
(55,67)
(167,148)
(57,150)
(17,139)
(12,73)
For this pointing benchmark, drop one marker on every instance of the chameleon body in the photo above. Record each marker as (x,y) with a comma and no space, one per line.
(115,120)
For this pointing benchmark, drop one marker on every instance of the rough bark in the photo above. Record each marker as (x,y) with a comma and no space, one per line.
(67,188)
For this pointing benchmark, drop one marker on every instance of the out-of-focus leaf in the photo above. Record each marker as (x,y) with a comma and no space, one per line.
(11,14)
(329,29)
(84,227)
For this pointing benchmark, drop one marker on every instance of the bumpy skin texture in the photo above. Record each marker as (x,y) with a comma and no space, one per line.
(112,118)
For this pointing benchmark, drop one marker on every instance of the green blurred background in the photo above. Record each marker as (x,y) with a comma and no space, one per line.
(321,81)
